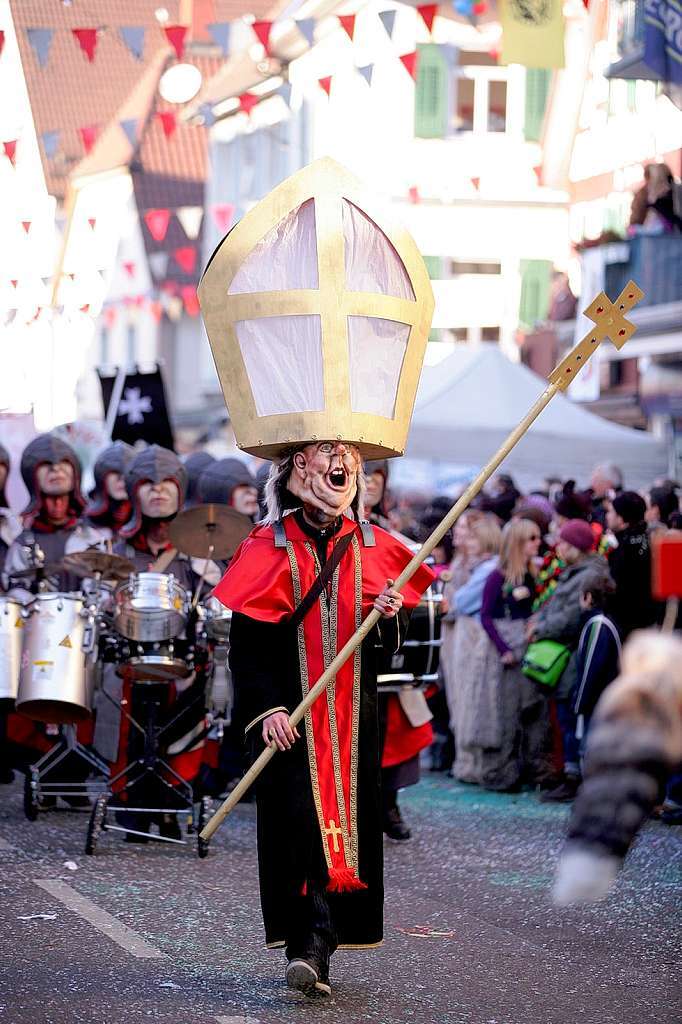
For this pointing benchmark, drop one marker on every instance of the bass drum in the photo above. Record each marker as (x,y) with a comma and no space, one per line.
(11,633)
(417,661)
(54,683)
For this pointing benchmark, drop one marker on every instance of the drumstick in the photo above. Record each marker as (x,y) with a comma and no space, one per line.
(610,322)
(195,600)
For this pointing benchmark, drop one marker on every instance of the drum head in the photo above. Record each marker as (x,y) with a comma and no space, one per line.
(53,712)
(153,669)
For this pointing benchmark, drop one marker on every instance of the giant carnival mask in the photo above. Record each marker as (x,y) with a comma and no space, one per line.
(325,478)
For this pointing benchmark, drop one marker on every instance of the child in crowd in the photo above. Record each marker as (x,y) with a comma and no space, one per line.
(599,649)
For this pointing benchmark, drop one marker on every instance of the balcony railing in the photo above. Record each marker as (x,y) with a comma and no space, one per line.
(655,263)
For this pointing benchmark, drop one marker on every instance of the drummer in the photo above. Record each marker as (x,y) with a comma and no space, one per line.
(404,719)
(156,480)
(52,527)
(195,463)
(9,529)
(109,508)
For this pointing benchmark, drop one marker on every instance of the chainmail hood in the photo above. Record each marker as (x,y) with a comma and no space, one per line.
(151,465)
(195,463)
(48,448)
(218,482)
(114,459)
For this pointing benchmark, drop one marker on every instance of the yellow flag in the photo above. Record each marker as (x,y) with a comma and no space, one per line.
(533,33)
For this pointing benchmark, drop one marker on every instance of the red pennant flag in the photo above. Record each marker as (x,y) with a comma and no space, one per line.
(326,84)
(88,134)
(222,215)
(410,61)
(476,182)
(538,173)
(26,225)
(495,52)
(71,277)
(156,310)
(175,34)
(87,40)
(14,282)
(413,193)
(85,308)
(110,314)
(129,267)
(247,101)
(157,223)
(186,257)
(11,151)
(262,31)
(2,42)
(348,24)
(428,13)
(189,296)
(481,7)
(586,4)
(168,122)
(92,221)
(138,301)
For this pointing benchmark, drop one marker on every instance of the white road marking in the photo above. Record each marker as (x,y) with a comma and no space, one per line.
(99,919)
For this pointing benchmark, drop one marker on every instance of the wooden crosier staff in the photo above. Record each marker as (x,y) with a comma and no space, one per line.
(610,322)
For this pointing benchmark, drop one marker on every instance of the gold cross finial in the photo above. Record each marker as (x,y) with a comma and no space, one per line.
(610,322)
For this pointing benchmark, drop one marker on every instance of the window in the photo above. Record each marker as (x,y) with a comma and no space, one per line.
(490,333)
(480,94)
(497,106)
(466,267)
(465,105)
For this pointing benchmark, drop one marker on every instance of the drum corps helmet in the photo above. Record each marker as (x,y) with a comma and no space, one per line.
(114,459)
(219,480)
(152,465)
(195,464)
(48,448)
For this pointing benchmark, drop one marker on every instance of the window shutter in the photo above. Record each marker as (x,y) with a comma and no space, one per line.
(537,91)
(431,93)
(535,283)
(434,265)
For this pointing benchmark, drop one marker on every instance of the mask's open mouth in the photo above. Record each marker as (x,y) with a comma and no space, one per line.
(338,478)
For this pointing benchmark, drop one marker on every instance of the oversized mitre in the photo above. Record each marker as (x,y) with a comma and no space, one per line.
(318,314)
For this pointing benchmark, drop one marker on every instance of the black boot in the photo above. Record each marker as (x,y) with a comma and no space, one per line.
(564,792)
(393,824)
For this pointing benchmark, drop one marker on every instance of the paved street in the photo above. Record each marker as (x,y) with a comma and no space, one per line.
(470,935)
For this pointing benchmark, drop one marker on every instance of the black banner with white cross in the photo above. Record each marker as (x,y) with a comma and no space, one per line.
(141,412)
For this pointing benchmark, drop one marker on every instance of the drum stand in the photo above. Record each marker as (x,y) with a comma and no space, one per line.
(149,765)
(40,794)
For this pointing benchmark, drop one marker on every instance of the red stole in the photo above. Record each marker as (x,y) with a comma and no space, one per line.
(268,583)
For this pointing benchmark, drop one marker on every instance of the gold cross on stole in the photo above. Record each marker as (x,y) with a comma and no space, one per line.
(334,832)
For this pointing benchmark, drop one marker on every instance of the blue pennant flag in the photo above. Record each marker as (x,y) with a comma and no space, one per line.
(366,73)
(206,111)
(285,92)
(220,34)
(663,39)
(50,141)
(306,26)
(388,21)
(130,128)
(41,41)
(133,37)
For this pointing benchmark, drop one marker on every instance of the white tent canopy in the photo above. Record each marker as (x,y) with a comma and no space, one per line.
(468,403)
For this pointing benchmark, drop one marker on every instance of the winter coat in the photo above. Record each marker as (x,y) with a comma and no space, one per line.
(632,606)
(597,662)
(560,618)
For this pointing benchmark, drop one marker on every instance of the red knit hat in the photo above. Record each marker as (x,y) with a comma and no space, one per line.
(578,533)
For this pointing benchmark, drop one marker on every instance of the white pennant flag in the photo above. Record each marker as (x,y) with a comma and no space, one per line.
(190,217)
(158,261)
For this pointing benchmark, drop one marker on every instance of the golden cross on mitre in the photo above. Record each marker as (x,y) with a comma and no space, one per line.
(318,311)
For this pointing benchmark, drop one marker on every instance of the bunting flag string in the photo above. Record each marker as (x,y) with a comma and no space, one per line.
(247,101)
(87,40)
(306,26)
(158,262)
(88,134)
(133,38)
(168,122)
(326,84)
(262,31)
(10,148)
(222,214)
(367,71)
(26,225)
(388,21)
(190,218)
(129,267)
(50,141)
(186,258)
(92,221)
(410,60)
(175,34)
(220,32)
(40,40)
(348,24)
(129,127)
(428,13)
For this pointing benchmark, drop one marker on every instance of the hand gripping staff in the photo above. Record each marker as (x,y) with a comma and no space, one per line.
(610,322)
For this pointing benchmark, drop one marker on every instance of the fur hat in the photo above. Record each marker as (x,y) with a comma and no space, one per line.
(578,533)
(151,465)
(48,448)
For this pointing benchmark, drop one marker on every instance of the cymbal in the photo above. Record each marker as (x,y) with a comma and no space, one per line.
(92,562)
(196,529)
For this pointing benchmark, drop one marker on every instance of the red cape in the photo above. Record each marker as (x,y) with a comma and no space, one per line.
(258,581)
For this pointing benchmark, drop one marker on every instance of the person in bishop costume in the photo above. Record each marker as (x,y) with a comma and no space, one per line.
(319,371)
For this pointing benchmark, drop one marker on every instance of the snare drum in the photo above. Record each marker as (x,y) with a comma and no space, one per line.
(150,607)
(218,619)
(158,662)
(11,632)
(418,659)
(54,684)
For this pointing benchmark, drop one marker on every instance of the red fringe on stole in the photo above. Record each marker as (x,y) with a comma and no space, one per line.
(344,880)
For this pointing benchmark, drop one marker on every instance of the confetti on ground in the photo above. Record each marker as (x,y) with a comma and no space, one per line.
(37,917)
